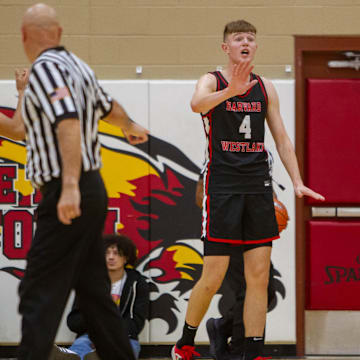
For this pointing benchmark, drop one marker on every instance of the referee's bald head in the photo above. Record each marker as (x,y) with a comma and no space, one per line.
(40,30)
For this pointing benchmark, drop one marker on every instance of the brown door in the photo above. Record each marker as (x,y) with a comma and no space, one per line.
(328,234)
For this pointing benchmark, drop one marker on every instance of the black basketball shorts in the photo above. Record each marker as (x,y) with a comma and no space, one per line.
(239,218)
(212,248)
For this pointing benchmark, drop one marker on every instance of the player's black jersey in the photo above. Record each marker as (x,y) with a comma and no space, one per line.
(235,155)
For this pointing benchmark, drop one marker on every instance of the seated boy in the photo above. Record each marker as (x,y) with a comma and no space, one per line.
(129,291)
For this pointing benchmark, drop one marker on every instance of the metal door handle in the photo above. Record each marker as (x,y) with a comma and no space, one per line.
(335,211)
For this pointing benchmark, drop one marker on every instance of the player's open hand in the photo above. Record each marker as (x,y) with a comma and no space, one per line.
(135,133)
(302,190)
(22,78)
(68,207)
(240,76)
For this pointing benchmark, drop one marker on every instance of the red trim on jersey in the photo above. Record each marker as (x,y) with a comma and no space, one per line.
(232,241)
(262,86)
(222,78)
(209,116)
(217,83)
(217,79)
(208,171)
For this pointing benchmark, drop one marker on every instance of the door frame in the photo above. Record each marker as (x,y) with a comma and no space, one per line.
(310,52)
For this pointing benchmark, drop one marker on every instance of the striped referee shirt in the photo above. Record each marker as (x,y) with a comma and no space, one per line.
(61,86)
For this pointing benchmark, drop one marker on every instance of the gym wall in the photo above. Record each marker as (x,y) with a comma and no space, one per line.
(176,39)
(175,42)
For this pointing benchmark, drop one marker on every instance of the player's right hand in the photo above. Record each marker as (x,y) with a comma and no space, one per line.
(240,75)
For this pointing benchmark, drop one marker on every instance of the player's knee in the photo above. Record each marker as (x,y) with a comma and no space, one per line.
(211,289)
(258,275)
(211,285)
(257,282)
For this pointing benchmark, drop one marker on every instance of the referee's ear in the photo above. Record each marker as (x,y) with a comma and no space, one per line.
(23,34)
(59,33)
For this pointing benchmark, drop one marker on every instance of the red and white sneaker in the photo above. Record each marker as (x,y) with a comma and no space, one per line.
(186,352)
(262,358)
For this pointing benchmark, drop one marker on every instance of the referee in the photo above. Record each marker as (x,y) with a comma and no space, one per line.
(61,107)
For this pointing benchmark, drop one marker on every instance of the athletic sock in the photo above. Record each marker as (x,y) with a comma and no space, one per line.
(188,336)
(253,347)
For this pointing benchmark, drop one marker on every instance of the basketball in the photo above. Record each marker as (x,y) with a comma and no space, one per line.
(281,214)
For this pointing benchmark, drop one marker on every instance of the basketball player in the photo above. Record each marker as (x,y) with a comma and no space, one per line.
(231,325)
(238,203)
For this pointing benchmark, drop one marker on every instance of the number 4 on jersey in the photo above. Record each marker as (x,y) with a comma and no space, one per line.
(245,127)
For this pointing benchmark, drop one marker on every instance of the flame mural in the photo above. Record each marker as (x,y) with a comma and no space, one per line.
(151,189)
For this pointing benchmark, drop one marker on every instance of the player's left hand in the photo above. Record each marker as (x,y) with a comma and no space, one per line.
(302,190)
(135,133)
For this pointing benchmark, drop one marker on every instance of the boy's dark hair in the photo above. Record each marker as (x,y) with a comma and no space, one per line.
(239,26)
(125,246)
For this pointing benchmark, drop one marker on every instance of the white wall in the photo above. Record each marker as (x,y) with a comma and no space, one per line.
(163,107)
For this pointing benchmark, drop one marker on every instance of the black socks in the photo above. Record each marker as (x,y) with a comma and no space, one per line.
(253,347)
(188,336)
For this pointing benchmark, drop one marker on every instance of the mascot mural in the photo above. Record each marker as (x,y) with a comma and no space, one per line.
(151,189)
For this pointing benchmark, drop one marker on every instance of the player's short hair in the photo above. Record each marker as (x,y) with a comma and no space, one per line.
(125,246)
(238,26)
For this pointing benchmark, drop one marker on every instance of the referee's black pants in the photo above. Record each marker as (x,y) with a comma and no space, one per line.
(64,257)
(232,323)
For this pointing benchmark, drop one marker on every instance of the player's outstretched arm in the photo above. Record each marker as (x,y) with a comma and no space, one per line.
(284,145)
(14,128)
(206,97)
(134,133)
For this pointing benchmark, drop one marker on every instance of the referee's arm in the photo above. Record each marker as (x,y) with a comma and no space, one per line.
(117,116)
(14,128)
(133,132)
(69,139)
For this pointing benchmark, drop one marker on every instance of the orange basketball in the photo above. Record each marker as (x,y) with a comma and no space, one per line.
(281,213)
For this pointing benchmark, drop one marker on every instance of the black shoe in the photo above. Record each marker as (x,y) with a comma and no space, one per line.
(236,351)
(218,341)
(236,356)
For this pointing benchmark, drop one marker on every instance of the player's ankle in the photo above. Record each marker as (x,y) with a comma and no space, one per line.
(188,336)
